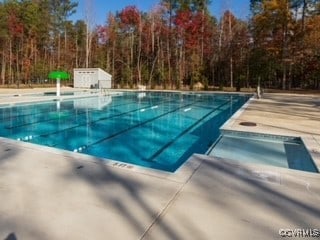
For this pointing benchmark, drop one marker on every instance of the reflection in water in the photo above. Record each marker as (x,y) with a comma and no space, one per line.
(142,95)
(92,103)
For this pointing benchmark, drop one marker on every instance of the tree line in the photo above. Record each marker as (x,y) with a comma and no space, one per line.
(178,44)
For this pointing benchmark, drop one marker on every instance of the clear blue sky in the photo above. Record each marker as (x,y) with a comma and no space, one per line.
(101,8)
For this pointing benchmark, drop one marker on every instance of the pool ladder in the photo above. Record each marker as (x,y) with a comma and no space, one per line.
(104,92)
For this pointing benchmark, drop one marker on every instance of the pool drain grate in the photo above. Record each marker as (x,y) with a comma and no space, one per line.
(248,124)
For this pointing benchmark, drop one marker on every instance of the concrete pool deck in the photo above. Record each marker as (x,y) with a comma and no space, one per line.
(51,194)
(12,96)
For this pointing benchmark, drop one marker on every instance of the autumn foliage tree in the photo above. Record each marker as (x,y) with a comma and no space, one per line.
(280,33)
(178,44)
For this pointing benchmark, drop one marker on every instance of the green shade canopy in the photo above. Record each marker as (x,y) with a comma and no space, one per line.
(59,75)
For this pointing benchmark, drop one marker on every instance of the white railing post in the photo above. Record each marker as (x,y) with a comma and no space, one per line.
(58,87)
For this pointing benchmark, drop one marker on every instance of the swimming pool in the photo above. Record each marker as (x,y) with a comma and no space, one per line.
(279,151)
(158,130)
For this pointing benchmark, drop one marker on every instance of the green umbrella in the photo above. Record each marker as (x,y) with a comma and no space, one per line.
(59,75)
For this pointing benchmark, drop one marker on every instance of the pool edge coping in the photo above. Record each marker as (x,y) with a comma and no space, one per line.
(181,175)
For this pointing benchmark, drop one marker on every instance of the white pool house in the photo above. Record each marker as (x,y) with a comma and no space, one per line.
(91,78)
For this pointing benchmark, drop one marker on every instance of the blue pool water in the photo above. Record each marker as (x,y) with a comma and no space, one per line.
(279,151)
(158,130)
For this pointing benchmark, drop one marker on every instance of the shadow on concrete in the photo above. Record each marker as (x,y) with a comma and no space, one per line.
(7,152)
(11,236)
(258,206)
(102,177)
(219,184)
(222,182)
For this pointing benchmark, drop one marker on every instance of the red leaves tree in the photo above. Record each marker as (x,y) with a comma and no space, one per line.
(14,25)
(130,18)
(177,44)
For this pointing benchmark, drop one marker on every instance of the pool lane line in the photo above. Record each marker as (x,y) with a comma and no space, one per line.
(137,125)
(100,119)
(10,118)
(67,129)
(58,118)
(118,133)
(92,110)
(95,121)
(54,110)
(104,118)
(158,152)
(52,119)
(90,123)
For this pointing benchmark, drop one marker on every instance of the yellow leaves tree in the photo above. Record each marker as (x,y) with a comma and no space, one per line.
(272,30)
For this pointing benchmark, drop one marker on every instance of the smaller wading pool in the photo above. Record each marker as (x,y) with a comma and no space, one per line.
(279,151)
